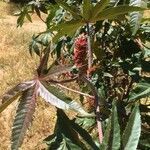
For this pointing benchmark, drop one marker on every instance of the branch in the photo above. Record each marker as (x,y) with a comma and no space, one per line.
(90,55)
(97,107)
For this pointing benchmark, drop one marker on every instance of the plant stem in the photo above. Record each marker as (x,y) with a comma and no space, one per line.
(97,107)
(89,54)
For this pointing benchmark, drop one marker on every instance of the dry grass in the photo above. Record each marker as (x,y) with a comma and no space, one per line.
(6,9)
(16,65)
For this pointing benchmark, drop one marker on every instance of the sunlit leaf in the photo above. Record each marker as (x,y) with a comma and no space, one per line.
(87,8)
(23,117)
(55,70)
(4,105)
(86,123)
(52,99)
(28,17)
(56,98)
(136,17)
(14,93)
(20,20)
(112,133)
(74,12)
(132,131)
(99,7)
(141,90)
(33,46)
(68,28)
(51,15)
(111,13)
(83,133)
(64,137)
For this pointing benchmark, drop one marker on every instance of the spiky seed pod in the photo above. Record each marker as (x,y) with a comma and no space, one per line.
(80,53)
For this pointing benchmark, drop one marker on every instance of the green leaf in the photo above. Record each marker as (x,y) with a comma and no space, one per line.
(20,19)
(87,9)
(68,28)
(112,133)
(37,12)
(58,49)
(28,17)
(33,46)
(45,38)
(43,66)
(106,138)
(141,90)
(132,131)
(74,12)
(23,14)
(86,123)
(83,133)
(55,70)
(111,13)
(53,96)
(52,11)
(145,143)
(136,17)
(14,93)
(145,60)
(8,102)
(23,117)
(64,137)
(67,144)
(99,7)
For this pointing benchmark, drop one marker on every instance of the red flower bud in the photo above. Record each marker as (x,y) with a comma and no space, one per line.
(80,53)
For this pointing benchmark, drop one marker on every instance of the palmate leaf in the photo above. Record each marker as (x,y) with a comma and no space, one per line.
(23,117)
(136,17)
(46,94)
(84,134)
(14,93)
(53,96)
(68,28)
(132,131)
(111,13)
(64,137)
(74,11)
(34,46)
(112,133)
(142,90)
(86,123)
(87,9)
(99,7)
(55,70)
(67,133)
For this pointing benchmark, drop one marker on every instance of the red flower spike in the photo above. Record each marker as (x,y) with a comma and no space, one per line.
(80,53)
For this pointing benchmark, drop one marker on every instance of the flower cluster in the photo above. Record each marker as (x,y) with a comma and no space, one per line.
(80,53)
